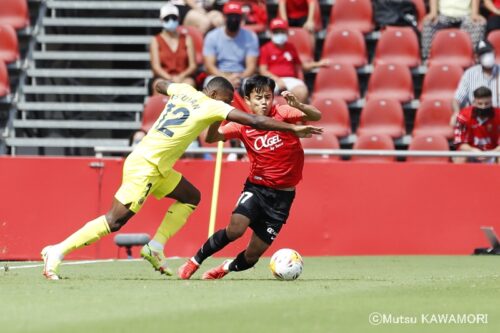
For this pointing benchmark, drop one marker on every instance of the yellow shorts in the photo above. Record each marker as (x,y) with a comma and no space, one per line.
(142,178)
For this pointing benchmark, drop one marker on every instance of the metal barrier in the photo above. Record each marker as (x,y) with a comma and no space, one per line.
(101,150)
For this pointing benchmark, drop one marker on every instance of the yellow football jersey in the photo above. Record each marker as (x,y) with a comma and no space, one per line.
(187,113)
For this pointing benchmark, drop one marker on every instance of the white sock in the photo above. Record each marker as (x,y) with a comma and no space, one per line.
(194,261)
(155,245)
(226,265)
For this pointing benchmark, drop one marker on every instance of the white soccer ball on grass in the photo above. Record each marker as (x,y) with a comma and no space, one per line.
(286,264)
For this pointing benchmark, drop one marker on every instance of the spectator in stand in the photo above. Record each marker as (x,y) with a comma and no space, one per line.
(478,127)
(198,13)
(280,61)
(493,6)
(231,51)
(172,55)
(254,15)
(299,13)
(443,14)
(485,73)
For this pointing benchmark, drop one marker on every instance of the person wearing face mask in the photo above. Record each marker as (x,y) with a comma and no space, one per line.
(280,61)
(172,54)
(478,127)
(231,51)
(485,73)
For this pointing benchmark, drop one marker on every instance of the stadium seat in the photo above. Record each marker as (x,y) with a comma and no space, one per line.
(382,116)
(374,142)
(451,47)
(334,115)
(440,82)
(345,47)
(4,80)
(428,142)
(494,39)
(14,13)
(398,45)
(337,82)
(390,82)
(197,38)
(152,110)
(9,47)
(433,118)
(327,140)
(301,39)
(352,14)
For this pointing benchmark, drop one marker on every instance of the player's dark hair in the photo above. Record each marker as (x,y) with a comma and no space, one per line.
(482,92)
(220,83)
(258,83)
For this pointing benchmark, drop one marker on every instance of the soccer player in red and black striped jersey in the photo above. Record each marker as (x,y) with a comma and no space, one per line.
(277,159)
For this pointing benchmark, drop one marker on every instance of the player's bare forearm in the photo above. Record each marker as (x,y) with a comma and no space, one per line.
(310,111)
(269,124)
(213,134)
(162,86)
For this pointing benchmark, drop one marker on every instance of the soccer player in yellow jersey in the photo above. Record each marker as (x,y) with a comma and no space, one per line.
(149,169)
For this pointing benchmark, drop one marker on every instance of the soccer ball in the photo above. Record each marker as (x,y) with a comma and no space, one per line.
(286,264)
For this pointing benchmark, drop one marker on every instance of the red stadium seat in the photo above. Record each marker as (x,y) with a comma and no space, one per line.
(451,47)
(152,110)
(428,142)
(337,82)
(494,39)
(440,82)
(352,14)
(346,47)
(9,47)
(327,140)
(301,39)
(197,38)
(398,45)
(4,80)
(374,142)
(433,118)
(390,82)
(334,115)
(14,13)
(384,116)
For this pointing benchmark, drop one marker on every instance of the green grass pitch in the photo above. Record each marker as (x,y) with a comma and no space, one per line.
(334,294)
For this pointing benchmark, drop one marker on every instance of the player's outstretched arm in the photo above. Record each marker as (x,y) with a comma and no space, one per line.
(311,112)
(161,86)
(269,124)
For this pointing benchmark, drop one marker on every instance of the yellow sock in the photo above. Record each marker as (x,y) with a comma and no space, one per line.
(175,218)
(88,234)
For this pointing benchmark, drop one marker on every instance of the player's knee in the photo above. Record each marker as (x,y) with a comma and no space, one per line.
(234,232)
(194,197)
(115,223)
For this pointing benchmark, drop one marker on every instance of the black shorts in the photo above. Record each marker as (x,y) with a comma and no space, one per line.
(297,22)
(267,209)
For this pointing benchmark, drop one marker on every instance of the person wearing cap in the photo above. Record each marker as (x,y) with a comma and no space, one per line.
(198,13)
(444,14)
(231,51)
(172,54)
(485,73)
(280,61)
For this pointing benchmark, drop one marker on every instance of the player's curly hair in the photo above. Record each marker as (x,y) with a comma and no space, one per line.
(220,83)
(258,83)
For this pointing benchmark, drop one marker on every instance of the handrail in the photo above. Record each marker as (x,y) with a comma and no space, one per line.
(101,150)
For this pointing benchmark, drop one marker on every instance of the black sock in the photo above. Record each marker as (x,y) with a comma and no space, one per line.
(215,243)
(240,263)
